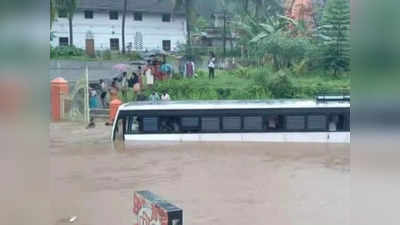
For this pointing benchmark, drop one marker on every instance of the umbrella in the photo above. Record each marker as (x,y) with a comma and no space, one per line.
(121,67)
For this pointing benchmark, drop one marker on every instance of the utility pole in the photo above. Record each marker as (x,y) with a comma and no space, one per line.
(123,26)
(188,27)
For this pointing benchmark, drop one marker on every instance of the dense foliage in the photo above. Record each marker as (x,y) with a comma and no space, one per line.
(335,35)
(266,37)
(245,83)
(65,51)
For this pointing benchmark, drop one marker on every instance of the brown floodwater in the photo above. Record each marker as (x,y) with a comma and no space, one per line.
(214,183)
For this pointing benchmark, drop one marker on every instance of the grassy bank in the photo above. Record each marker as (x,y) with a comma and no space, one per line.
(251,83)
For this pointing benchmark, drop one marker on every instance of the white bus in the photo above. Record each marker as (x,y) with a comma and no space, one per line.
(324,120)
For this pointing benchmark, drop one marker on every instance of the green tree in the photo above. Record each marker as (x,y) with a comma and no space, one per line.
(334,32)
(69,6)
(53,12)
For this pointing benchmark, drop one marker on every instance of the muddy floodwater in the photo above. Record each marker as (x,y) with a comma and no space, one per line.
(214,183)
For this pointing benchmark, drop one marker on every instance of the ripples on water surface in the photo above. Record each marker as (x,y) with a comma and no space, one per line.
(214,183)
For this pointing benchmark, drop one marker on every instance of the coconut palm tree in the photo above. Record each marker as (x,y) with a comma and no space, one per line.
(69,6)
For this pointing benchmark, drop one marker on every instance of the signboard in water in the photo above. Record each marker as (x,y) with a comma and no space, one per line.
(150,209)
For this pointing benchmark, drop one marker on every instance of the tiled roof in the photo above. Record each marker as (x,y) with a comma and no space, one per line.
(163,6)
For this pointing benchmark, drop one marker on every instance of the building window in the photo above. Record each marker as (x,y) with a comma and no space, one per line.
(166,44)
(166,17)
(63,41)
(138,16)
(114,44)
(62,13)
(113,15)
(88,14)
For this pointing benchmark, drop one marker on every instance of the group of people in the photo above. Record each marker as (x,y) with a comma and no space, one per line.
(142,79)
(188,68)
(138,80)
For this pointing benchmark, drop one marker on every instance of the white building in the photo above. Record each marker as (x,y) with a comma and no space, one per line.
(149,24)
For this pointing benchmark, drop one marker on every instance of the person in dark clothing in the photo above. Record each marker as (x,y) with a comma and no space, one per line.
(135,78)
(141,97)
(103,93)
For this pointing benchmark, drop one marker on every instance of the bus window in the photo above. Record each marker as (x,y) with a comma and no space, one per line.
(150,124)
(210,124)
(316,122)
(336,122)
(119,130)
(274,122)
(252,123)
(134,124)
(190,123)
(169,124)
(231,123)
(295,122)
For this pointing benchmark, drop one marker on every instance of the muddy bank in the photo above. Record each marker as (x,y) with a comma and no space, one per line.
(215,183)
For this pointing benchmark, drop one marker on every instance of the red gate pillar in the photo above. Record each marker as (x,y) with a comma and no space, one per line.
(58,87)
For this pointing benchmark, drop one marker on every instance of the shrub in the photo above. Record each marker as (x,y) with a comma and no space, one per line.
(281,86)
(62,51)
(134,56)
(107,55)
(259,83)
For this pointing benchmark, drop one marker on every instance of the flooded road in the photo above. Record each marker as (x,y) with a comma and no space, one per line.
(214,183)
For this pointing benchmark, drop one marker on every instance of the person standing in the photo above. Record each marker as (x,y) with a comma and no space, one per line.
(189,69)
(124,85)
(154,97)
(103,93)
(165,96)
(149,75)
(92,98)
(135,82)
(211,66)
(114,89)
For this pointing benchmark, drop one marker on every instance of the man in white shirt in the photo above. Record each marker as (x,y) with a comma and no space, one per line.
(211,66)
(165,96)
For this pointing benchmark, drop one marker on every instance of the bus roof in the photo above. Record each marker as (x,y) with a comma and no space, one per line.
(235,104)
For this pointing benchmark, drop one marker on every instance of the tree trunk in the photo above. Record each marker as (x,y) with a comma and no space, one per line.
(259,8)
(224,35)
(123,26)
(246,6)
(231,41)
(71,36)
(188,27)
